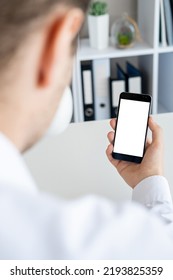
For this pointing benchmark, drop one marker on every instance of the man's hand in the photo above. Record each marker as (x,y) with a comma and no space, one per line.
(152,163)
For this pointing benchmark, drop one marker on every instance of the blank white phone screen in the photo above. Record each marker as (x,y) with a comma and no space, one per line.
(131,127)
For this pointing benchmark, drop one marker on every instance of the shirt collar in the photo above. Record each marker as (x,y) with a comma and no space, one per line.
(13,170)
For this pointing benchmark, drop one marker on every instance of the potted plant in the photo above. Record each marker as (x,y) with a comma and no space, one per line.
(98,25)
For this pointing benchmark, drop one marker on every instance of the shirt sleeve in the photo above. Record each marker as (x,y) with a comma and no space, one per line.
(154,193)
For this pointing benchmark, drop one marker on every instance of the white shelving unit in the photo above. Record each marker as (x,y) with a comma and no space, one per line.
(154,61)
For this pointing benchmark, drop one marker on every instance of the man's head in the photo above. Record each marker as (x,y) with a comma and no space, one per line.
(36,54)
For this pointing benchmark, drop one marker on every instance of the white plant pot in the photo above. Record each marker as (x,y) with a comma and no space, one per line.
(98,31)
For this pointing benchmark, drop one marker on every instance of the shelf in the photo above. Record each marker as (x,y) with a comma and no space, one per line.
(168,49)
(153,59)
(88,53)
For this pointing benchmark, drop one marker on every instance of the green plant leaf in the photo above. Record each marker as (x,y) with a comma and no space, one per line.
(98,8)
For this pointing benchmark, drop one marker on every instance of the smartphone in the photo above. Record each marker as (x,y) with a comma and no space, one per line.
(132,126)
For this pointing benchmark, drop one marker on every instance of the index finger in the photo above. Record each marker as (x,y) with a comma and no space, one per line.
(113,123)
(157,132)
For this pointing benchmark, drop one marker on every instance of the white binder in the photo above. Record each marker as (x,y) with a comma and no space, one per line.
(101,73)
(118,86)
(135,84)
(134,79)
(87,88)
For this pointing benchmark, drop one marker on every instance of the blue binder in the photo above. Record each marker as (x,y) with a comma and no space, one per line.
(121,75)
(134,78)
(117,86)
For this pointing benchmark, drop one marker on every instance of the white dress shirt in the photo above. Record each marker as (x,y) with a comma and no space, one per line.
(34,225)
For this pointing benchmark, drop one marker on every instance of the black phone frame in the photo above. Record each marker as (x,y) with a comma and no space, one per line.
(136,97)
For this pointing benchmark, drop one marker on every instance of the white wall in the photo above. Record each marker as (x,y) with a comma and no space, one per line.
(116,8)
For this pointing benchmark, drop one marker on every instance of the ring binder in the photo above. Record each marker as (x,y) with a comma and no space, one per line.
(116,88)
(88,91)
(134,78)
(101,74)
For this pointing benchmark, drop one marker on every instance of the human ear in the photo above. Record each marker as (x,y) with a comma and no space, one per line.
(60,35)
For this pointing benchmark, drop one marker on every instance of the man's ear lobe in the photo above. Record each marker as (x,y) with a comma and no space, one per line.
(57,45)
